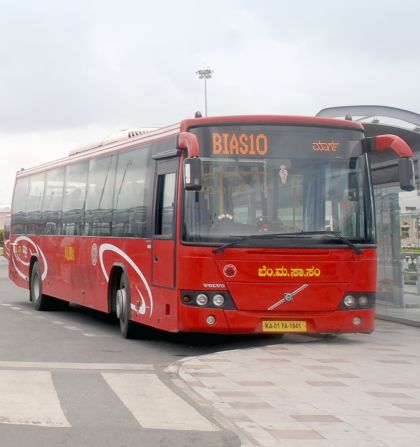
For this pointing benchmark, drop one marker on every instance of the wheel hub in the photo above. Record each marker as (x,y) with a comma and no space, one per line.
(121,303)
(36,288)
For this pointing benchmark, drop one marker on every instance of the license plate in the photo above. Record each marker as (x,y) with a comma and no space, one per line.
(283,326)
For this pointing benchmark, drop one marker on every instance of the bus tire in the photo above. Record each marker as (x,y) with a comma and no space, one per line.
(123,306)
(39,300)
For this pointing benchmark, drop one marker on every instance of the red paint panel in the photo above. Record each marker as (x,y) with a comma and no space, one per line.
(164,263)
(262,297)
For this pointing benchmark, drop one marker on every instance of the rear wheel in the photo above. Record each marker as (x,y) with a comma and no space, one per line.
(39,300)
(123,307)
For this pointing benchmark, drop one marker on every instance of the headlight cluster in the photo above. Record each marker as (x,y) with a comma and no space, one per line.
(206,299)
(358,301)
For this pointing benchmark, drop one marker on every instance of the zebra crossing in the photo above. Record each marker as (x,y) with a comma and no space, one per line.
(29,398)
(36,394)
(163,407)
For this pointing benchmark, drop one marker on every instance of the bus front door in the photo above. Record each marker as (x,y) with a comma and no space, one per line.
(163,245)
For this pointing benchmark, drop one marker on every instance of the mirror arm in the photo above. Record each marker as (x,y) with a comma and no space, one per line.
(189,142)
(394,143)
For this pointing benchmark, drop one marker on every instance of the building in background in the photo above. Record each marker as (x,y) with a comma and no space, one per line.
(3,213)
(397,212)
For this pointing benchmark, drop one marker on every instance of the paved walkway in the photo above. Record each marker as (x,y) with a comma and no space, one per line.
(302,391)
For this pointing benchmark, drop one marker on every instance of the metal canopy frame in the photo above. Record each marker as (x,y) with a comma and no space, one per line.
(371,111)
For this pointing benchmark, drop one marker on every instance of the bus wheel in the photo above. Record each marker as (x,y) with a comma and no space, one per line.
(123,307)
(39,300)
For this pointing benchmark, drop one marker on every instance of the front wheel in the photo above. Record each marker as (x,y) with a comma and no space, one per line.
(39,300)
(123,306)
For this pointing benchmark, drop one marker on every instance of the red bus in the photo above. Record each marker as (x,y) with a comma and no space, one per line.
(242,224)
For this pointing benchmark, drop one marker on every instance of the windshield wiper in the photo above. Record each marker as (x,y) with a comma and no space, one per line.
(336,235)
(259,236)
(300,234)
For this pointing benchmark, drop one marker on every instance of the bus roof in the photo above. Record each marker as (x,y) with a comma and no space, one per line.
(109,145)
(269,119)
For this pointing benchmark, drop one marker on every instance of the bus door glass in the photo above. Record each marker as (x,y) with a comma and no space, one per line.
(164,223)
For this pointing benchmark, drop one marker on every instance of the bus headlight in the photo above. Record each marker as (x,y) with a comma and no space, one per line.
(363,301)
(349,301)
(358,300)
(218,300)
(201,299)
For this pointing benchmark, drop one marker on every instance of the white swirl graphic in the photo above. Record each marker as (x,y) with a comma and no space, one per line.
(109,247)
(142,308)
(38,251)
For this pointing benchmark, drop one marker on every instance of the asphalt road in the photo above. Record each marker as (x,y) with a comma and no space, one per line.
(67,378)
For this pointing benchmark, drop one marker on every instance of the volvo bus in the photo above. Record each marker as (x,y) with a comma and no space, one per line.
(236,224)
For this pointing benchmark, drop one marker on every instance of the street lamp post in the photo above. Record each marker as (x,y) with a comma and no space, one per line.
(205,74)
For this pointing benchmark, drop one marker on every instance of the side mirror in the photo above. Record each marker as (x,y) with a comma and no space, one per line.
(192,174)
(406,172)
(402,150)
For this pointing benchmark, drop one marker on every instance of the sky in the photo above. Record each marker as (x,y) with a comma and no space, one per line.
(73,72)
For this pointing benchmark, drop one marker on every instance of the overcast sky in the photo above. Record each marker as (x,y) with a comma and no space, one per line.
(71,72)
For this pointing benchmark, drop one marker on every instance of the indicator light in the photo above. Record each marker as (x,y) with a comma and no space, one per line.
(357,321)
(211,320)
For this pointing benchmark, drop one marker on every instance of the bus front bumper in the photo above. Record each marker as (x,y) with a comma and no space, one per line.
(211,320)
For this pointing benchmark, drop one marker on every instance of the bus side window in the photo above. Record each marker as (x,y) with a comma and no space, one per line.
(19,205)
(33,204)
(165,205)
(130,211)
(74,199)
(52,201)
(99,196)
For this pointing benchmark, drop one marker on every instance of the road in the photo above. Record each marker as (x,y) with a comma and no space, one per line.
(67,378)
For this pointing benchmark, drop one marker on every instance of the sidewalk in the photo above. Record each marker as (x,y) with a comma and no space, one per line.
(302,391)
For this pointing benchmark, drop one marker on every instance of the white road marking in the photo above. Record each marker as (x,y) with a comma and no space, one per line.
(154,405)
(58,322)
(80,366)
(72,328)
(16,308)
(29,398)
(6,305)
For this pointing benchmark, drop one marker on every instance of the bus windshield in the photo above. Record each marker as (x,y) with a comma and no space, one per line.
(280,180)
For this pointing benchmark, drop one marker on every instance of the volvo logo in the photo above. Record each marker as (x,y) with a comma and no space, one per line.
(288,297)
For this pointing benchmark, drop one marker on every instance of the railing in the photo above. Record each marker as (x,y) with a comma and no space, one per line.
(411,270)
